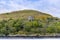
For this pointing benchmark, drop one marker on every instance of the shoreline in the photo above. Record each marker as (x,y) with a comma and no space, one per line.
(29,37)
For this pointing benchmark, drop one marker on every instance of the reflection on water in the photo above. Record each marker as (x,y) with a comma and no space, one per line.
(34,39)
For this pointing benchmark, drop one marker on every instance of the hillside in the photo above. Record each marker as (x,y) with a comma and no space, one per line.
(28,23)
(24,14)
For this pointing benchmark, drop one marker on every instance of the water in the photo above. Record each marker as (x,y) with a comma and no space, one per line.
(34,39)
(29,37)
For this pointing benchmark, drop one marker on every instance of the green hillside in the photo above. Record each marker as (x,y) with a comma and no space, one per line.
(28,23)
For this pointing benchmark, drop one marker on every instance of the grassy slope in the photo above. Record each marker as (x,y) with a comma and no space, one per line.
(24,14)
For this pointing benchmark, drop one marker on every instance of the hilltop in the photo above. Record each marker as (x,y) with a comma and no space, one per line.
(24,14)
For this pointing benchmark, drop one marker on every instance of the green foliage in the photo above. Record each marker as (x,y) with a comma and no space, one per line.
(51,30)
(36,24)
(28,26)
(54,27)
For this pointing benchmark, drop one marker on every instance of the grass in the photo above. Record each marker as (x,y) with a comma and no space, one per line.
(24,14)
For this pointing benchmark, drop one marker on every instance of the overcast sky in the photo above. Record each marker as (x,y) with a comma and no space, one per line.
(49,6)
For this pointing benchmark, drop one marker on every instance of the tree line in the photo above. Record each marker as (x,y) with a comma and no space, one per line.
(21,26)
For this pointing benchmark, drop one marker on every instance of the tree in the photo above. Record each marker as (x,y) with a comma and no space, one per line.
(36,24)
(51,30)
(47,24)
(54,27)
(19,25)
(28,26)
(33,26)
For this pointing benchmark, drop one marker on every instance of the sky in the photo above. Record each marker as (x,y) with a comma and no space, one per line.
(48,6)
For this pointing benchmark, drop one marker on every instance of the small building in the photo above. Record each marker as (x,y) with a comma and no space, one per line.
(30,18)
